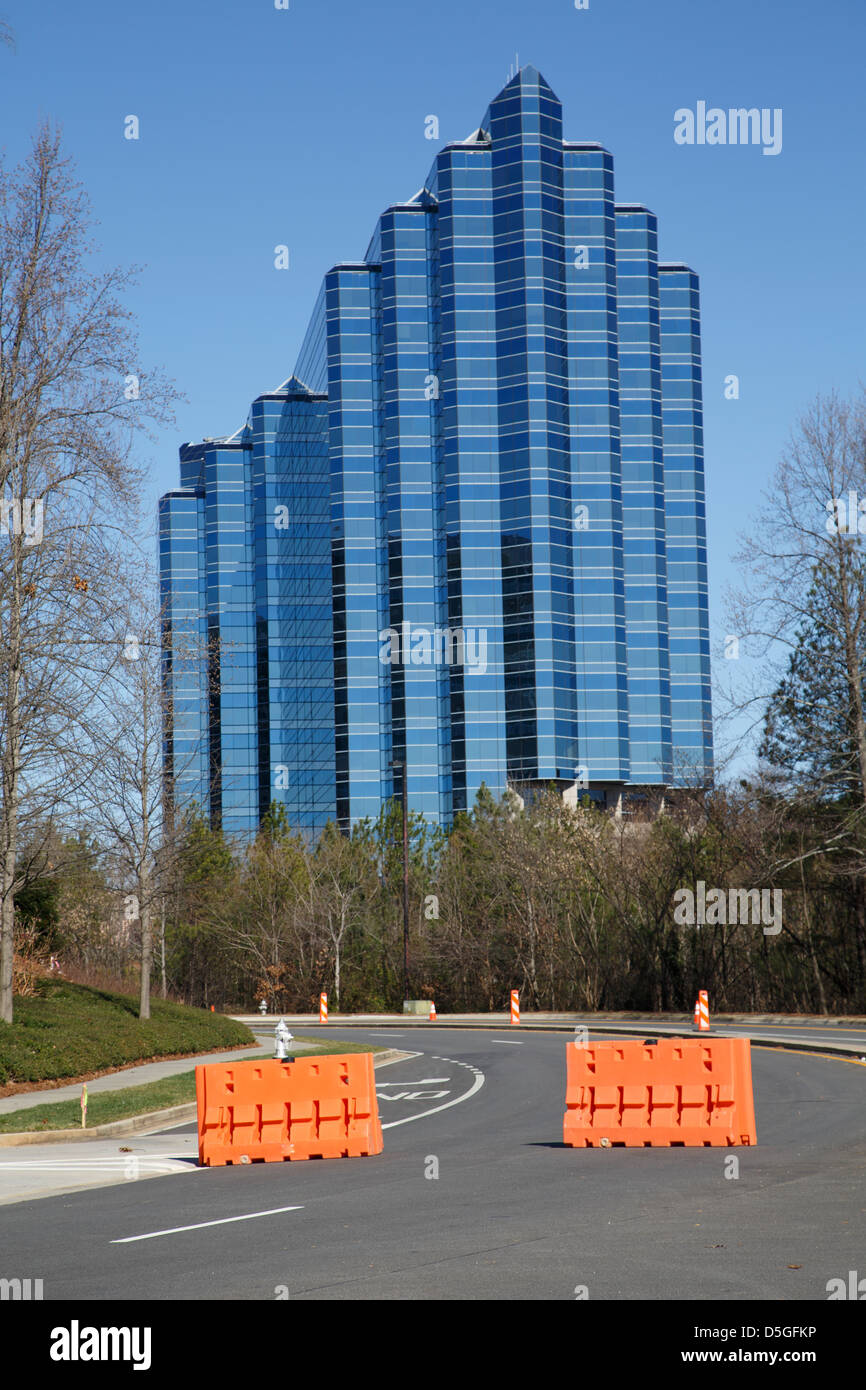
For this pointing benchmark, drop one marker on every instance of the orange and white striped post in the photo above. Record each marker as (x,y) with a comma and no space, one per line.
(432,1012)
(703,1012)
(323,1008)
(515,1006)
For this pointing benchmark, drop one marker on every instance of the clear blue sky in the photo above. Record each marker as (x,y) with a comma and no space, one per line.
(261,126)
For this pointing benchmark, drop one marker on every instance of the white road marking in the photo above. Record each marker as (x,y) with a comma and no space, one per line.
(509,1042)
(476,1086)
(427,1081)
(415,1095)
(386,1035)
(200,1225)
(65,1165)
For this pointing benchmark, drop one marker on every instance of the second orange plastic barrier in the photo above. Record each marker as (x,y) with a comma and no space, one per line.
(687,1092)
(267,1111)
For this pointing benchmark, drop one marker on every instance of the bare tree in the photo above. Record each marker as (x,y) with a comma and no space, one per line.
(345,882)
(72,395)
(803,553)
(129,800)
(125,781)
(269,926)
(804,609)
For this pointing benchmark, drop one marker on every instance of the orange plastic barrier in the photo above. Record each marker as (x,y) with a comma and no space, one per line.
(267,1111)
(694,1092)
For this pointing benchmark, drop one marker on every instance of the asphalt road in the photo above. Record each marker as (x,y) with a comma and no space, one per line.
(842,1036)
(512,1213)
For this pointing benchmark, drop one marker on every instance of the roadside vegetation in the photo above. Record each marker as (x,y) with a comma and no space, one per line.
(104,1107)
(571,907)
(107,882)
(67,1030)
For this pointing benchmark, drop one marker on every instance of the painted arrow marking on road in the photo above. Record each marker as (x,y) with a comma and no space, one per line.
(458,1100)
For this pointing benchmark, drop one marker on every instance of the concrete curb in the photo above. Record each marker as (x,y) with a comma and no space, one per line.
(142,1124)
(391,1054)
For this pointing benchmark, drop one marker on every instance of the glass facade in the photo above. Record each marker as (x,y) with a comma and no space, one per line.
(468,533)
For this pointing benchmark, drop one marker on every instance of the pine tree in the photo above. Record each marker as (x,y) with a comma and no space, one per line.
(812,719)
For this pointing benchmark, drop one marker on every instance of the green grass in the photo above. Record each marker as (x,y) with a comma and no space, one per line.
(69,1030)
(331,1049)
(103,1106)
(106,1106)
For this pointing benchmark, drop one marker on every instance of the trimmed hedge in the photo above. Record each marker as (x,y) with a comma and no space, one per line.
(69,1030)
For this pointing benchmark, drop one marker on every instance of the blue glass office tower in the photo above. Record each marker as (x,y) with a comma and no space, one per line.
(468,533)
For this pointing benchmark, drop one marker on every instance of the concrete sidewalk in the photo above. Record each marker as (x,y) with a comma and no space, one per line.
(50,1169)
(132,1076)
(47,1170)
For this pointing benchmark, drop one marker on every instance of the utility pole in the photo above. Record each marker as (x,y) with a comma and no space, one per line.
(405,799)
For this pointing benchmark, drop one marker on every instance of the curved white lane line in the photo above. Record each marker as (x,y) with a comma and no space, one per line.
(476,1086)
